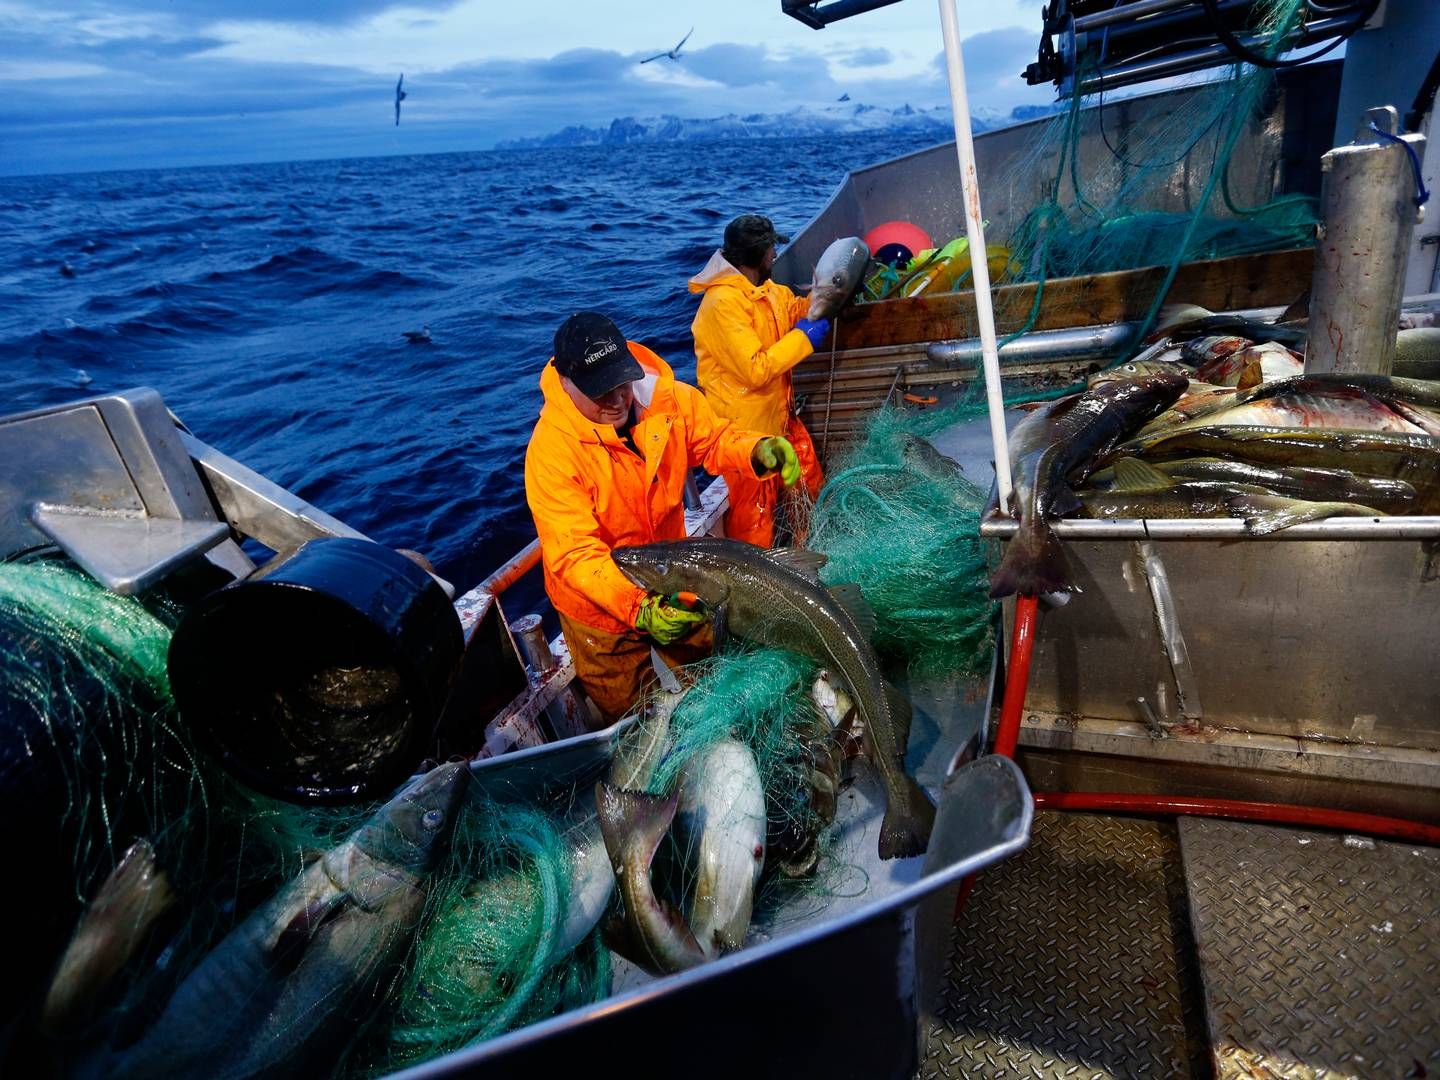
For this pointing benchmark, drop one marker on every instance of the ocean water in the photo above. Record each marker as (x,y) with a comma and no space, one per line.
(267,304)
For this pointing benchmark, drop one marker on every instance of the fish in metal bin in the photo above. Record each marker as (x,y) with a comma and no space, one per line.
(127,904)
(1412,459)
(652,934)
(1142,491)
(1296,481)
(775,598)
(300,973)
(718,809)
(721,821)
(1250,366)
(1055,446)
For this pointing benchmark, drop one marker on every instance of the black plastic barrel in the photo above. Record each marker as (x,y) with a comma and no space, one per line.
(320,677)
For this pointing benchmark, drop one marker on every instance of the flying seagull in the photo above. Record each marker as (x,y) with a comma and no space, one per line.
(673,54)
(399,97)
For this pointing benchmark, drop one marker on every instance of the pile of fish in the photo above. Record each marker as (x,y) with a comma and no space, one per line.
(718,808)
(1217,419)
(290,983)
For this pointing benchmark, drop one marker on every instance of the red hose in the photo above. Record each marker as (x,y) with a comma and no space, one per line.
(1241,810)
(1017,682)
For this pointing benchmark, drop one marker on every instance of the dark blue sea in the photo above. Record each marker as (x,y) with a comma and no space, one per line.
(267,304)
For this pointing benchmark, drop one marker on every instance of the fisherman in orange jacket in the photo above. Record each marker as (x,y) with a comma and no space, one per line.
(749,332)
(606,468)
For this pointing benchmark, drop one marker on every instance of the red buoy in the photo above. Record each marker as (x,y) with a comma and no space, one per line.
(903,233)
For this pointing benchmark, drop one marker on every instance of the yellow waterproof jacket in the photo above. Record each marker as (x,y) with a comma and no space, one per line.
(589,492)
(745,345)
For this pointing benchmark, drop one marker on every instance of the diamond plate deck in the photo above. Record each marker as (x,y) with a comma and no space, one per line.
(1073,959)
(1320,953)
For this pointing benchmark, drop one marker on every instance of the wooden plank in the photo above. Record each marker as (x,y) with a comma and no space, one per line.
(1246,281)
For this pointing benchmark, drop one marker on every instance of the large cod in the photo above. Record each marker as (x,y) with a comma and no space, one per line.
(301,973)
(775,598)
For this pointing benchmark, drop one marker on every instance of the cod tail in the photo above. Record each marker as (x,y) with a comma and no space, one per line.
(905,830)
(633,823)
(1034,565)
(127,904)
(1266,514)
(651,933)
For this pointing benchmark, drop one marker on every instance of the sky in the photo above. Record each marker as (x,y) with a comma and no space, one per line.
(109,84)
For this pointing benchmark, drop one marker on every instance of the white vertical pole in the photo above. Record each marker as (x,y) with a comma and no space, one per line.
(975,232)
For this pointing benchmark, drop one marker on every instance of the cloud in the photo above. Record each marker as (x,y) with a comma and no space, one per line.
(752,65)
(27,70)
(866,57)
(332,12)
(139,86)
(998,54)
(995,61)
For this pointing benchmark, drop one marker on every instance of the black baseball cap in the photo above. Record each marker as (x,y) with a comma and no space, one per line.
(750,231)
(591,352)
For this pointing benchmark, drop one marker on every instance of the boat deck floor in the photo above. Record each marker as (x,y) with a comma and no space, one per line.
(1074,958)
(1126,947)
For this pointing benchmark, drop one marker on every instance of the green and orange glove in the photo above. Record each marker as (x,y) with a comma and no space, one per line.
(665,619)
(776,453)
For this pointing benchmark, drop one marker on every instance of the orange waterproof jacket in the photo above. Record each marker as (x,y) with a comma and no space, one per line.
(589,492)
(745,345)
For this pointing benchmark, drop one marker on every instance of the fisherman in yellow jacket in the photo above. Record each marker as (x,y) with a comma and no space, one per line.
(606,468)
(749,332)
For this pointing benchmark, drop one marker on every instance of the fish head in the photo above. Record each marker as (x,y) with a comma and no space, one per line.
(1134,369)
(1160,384)
(668,568)
(837,275)
(412,829)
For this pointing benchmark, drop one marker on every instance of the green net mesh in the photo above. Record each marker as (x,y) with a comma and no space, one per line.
(490,958)
(902,522)
(86,695)
(84,689)
(1165,189)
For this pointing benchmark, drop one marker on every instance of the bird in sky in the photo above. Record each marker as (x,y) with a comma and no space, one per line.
(399,97)
(673,54)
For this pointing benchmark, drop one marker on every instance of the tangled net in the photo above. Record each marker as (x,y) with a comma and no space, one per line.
(903,523)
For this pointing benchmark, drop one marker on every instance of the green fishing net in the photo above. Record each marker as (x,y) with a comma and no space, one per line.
(1088,194)
(1170,191)
(84,693)
(490,958)
(86,703)
(903,523)
(757,696)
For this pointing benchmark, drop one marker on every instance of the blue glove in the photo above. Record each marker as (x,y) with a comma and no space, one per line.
(814,329)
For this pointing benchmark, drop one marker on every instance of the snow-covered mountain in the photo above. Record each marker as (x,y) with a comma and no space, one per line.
(800,122)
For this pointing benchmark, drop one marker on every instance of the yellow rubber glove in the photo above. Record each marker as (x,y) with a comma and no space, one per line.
(664,621)
(776,453)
